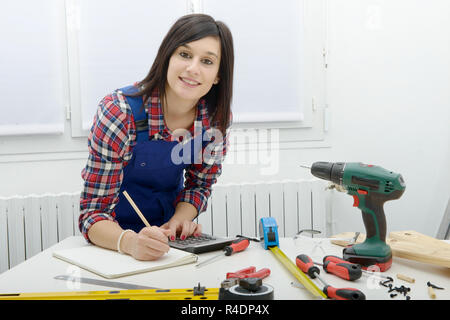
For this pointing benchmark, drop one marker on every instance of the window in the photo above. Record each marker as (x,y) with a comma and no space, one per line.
(32,65)
(112,44)
(269,47)
(63,57)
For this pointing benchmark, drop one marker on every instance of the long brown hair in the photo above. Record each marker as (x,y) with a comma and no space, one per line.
(186,29)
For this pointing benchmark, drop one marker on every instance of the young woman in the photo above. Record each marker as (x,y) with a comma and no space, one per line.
(147,136)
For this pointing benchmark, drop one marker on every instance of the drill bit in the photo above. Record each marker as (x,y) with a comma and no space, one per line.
(306,167)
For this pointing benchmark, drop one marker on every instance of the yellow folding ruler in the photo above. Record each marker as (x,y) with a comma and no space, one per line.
(141,294)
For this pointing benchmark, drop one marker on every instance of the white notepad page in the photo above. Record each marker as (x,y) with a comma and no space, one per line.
(111,264)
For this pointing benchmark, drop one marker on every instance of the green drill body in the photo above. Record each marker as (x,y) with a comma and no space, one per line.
(381,185)
(371,186)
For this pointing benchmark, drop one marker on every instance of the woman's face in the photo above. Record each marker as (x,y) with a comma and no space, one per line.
(193,69)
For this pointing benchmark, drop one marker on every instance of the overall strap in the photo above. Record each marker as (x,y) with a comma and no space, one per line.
(139,114)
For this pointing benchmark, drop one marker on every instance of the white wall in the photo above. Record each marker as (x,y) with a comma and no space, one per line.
(388,90)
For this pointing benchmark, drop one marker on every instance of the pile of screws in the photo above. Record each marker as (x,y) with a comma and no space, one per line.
(401,290)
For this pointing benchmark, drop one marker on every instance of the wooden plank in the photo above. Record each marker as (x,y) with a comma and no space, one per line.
(410,245)
(413,245)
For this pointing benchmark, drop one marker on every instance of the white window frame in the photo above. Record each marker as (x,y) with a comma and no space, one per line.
(314,123)
(312,132)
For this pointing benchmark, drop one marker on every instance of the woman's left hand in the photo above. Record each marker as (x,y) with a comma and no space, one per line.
(184,228)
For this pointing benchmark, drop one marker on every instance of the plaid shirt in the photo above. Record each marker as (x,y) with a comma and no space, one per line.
(111,142)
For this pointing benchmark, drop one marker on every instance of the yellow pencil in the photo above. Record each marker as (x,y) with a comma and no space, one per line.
(135,207)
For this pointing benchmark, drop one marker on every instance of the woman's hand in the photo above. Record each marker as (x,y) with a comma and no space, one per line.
(184,228)
(149,244)
(181,222)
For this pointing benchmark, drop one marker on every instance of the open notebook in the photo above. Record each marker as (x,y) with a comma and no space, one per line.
(111,264)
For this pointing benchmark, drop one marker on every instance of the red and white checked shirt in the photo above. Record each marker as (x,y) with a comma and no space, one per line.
(111,142)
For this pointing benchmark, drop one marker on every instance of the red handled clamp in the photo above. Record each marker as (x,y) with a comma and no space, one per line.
(249,272)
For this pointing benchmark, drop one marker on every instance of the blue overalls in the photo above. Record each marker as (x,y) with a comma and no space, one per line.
(151,178)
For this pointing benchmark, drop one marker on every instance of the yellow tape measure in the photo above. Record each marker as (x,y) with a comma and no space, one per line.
(142,294)
(301,277)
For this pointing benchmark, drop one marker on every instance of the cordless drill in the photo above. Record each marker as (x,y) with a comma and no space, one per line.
(371,186)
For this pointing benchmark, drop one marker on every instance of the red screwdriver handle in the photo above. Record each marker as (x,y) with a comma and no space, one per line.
(305,264)
(343,293)
(347,271)
(335,259)
(236,246)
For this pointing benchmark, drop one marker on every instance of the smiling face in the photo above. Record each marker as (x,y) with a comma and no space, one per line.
(193,69)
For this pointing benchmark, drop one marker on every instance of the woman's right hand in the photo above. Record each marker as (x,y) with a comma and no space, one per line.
(149,244)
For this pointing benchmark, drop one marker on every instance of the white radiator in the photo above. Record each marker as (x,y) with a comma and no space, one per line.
(30,224)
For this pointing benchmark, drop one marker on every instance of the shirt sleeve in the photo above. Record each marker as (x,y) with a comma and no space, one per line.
(108,145)
(199,178)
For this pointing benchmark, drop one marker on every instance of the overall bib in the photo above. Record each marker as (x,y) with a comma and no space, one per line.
(151,177)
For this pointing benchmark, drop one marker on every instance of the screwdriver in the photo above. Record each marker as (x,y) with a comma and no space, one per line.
(305,264)
(236,246)
(344,270)
(338,260)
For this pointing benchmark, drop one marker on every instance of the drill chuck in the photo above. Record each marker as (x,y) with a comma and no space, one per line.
(330,171)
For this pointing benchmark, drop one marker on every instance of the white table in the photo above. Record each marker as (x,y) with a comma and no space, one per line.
(37,273)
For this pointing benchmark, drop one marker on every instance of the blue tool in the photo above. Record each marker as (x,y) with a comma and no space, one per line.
(268,231)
